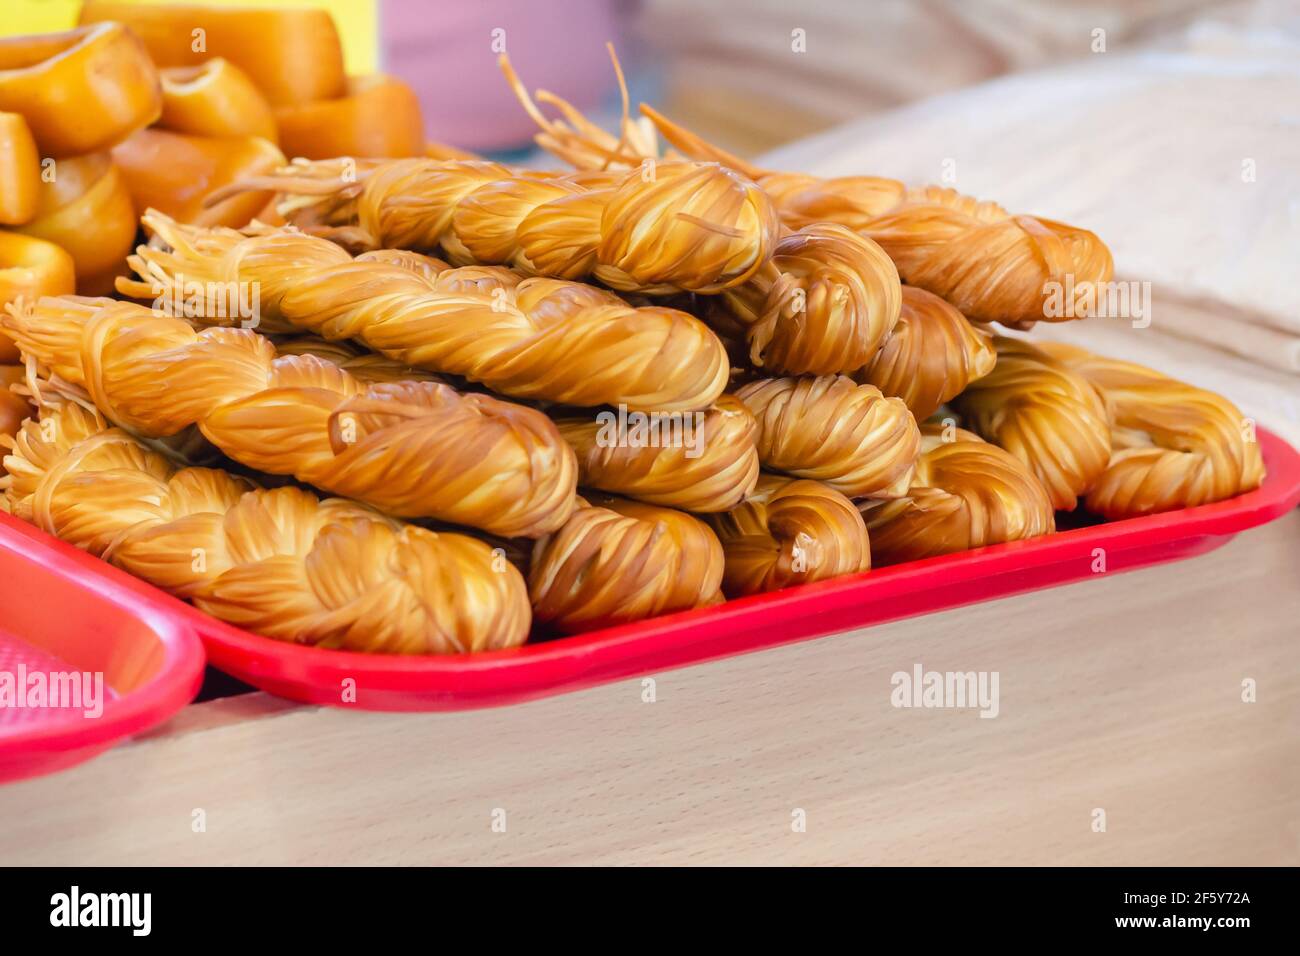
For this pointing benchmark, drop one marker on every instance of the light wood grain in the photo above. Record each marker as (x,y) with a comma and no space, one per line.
(1122,692)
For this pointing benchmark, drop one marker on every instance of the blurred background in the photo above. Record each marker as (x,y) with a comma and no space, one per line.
(729,66)
(1169,127)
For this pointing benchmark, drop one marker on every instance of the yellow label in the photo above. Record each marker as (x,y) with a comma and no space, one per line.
(357,22)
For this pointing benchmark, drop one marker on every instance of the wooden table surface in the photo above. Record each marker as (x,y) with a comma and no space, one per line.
(1122,693)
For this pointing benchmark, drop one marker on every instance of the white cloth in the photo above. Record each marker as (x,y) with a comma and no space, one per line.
(853,57)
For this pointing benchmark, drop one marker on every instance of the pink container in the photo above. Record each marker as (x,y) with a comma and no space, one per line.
(446,52)
(63,619)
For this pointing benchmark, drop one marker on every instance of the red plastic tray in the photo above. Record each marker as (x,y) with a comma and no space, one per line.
(61,613)
(538,670)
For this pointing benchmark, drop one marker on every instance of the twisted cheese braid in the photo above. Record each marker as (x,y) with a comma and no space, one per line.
(616,561)
(820,301)
(790,532)
(410,448)
(282,563)
(14,408)
(712,468)
(364,366)
(823,305)
(832,430)
(931,356)
(966,494)
(1173,445)
(1046,415)
(535,338)
(991,265)
(690,226)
